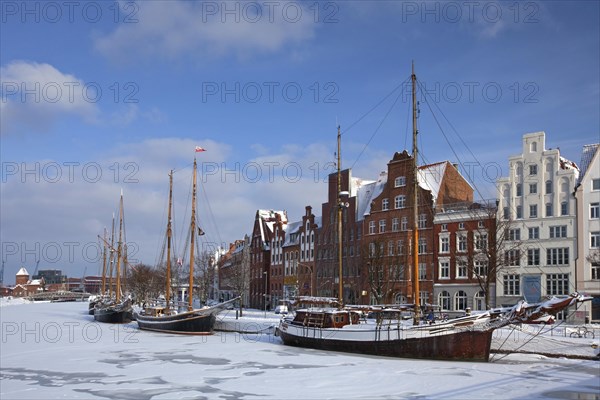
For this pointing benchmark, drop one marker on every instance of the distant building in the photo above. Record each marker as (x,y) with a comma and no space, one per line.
(25,286)
(587,195)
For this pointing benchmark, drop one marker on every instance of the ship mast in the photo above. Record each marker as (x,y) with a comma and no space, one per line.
(119,249)
(112,258)
(193,233)
(415,245)
(104,265)
(340,206)
(168,277)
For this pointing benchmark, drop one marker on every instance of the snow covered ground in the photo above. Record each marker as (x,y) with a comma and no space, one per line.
(56,350)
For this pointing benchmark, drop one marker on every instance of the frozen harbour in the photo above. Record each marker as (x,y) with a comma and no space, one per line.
(56,350)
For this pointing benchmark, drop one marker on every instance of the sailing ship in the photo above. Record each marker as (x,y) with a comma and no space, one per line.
(165,318)
(325,324)
(117,309)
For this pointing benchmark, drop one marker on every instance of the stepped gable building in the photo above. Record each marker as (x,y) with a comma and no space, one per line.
(260,255)
(537,200)
(388,227)
(587,264)
(326,263)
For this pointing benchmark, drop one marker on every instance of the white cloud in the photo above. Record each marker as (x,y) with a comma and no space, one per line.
(170,29)
(34,95)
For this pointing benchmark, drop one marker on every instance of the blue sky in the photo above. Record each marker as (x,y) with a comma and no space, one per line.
(103,96)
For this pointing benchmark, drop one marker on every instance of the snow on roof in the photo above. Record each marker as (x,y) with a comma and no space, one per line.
(268,218)
(430,177)
(589,150)
(375,190)
(22,272)
(290,234)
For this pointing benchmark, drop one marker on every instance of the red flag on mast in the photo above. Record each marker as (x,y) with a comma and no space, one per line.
(199,149)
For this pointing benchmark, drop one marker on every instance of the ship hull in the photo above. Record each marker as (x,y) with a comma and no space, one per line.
(112,316)
(186,323)
(467,345)
(120,313)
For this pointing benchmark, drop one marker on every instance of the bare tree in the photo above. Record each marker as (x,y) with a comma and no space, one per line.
(383,270)
(204,275)
(145,283)
(239,275)
(495,248)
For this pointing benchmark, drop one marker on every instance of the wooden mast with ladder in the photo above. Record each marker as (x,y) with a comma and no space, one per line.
(415,245)
(169,234)
(340,205)
(192,241)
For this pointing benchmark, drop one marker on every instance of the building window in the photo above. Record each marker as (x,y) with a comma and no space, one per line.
(371,227)
(512,257)
(558,231)
(395,224)
(532,188)
(519,190)
(481,242)
(534,232)
(594,210)
(533,169)
(595,270)
(400,201)
(422,272)
(444,227)
(480,269)
(519,212)
(533,211)
(385,204)
(505,213)
(557,284)
(564,208)
(479,301)
(596,184)
(594,239)
(400,181)
(444,300)
(390,248)
(404,224)
(460,301)
(444,244)
(461,225)
(381,225)
(462,243)
(444,270)
(461,269)
(422,221)
(400,245)
(557,256)
(549,212)
(548,187)
(512,285)
(514,234)
(422,246)
(533,257)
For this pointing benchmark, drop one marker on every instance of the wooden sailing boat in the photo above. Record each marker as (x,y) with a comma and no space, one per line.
(165,318)
(327,325)
(115,309)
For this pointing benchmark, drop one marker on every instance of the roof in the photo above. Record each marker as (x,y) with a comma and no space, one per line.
(290,237)
(587,155)
(431,176)
(22,272)
(370,192)
(267,220)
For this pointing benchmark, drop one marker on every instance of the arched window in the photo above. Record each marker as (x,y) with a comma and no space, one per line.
(460,300)
(400,298)
(479,301)
(444,300)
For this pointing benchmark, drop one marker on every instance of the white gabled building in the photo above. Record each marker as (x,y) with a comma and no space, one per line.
(537,199)
(587,194)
